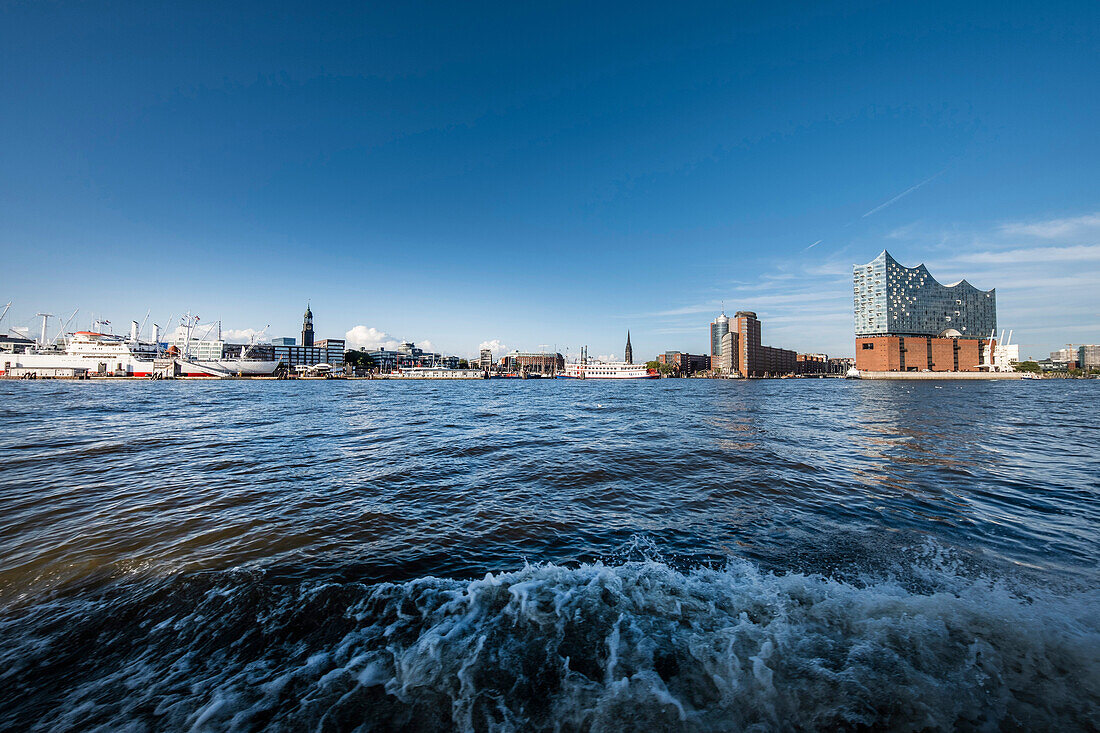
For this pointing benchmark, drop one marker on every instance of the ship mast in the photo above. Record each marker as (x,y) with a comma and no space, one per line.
(45,318)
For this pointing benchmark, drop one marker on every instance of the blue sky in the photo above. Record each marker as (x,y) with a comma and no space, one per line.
(547,174)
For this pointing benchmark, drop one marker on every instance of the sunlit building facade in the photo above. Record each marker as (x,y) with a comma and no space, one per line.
(894,300)
(907,321)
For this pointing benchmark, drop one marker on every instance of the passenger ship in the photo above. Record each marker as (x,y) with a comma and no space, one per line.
(109,354)
(606,370)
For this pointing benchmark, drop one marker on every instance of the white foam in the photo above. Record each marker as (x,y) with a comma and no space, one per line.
(631,646)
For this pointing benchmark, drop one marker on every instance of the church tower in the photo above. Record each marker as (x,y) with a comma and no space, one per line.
(629,351)
(307,328)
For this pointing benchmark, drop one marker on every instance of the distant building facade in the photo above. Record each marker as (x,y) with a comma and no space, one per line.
(683,363)
(1066,356)
(727,359)
(407,355)
(907,321)
(753,358)
(1088,356)
(719,327)
(541,362)
(486,359)
(811,364)
(308,353)
(893,300)
(918,354)
(628,353)
(10,344)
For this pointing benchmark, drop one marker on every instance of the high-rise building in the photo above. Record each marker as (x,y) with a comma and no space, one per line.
(907,321)
(486,359)
(307,328)
(1088,356)
(719,327)
(727,360)
(747,328)
(628,354)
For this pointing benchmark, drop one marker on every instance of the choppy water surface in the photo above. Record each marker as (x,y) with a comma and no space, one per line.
(678,554)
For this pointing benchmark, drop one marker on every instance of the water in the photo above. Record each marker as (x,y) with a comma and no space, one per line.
(677,554)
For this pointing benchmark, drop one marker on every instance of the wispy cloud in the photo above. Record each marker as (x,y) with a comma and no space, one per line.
(1055,228)
(903,194)
(1077,253)
(813,245)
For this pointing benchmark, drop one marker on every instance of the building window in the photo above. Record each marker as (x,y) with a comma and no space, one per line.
(868,346)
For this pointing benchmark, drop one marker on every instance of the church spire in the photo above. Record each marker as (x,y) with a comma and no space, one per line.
(629,351)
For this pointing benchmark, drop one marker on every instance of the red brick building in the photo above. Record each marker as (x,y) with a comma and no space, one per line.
(918,354)
(754,359)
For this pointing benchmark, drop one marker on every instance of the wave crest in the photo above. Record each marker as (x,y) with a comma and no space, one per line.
(601,647)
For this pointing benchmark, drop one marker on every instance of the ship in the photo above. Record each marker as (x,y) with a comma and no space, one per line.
(606,370)
(92,353)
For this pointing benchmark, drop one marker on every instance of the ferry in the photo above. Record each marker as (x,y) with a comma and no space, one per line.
(606,370)
(107,354)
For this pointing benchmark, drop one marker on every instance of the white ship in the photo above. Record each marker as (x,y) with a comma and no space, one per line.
(605,370)
(85,353)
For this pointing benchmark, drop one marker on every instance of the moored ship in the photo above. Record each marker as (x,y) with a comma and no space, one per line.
(605,370)
(92,353)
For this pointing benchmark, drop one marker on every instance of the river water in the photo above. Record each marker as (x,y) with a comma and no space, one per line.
(537,555)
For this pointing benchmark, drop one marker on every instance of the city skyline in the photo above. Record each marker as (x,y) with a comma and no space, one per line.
(518,179)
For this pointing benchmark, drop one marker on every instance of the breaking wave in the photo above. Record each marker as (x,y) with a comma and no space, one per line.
(637,645)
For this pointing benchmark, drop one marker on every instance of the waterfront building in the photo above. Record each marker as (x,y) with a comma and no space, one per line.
(719,327)
(334,353)
(727,360)
(10,344)
(841,364)
(308,353)
(755,359)
(1064,356)
(486,359)
(905,320)
(407,356)
(894,300)
(1088,356)
(628,354)
(683,363)
(811,364)
(533,362)
(307,327)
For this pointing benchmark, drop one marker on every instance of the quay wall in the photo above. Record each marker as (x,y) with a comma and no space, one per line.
(909,376)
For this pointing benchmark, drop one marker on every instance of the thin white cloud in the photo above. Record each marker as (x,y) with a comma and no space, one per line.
(1055,228)
(902,195)
(1077,253)
(686,310)
(814,245)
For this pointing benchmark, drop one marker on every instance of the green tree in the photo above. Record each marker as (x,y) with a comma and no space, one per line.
(1028,366)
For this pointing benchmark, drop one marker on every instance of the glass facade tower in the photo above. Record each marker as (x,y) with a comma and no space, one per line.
(894,300)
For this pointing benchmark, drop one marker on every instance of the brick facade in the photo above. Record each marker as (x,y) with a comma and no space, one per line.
(917,354)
